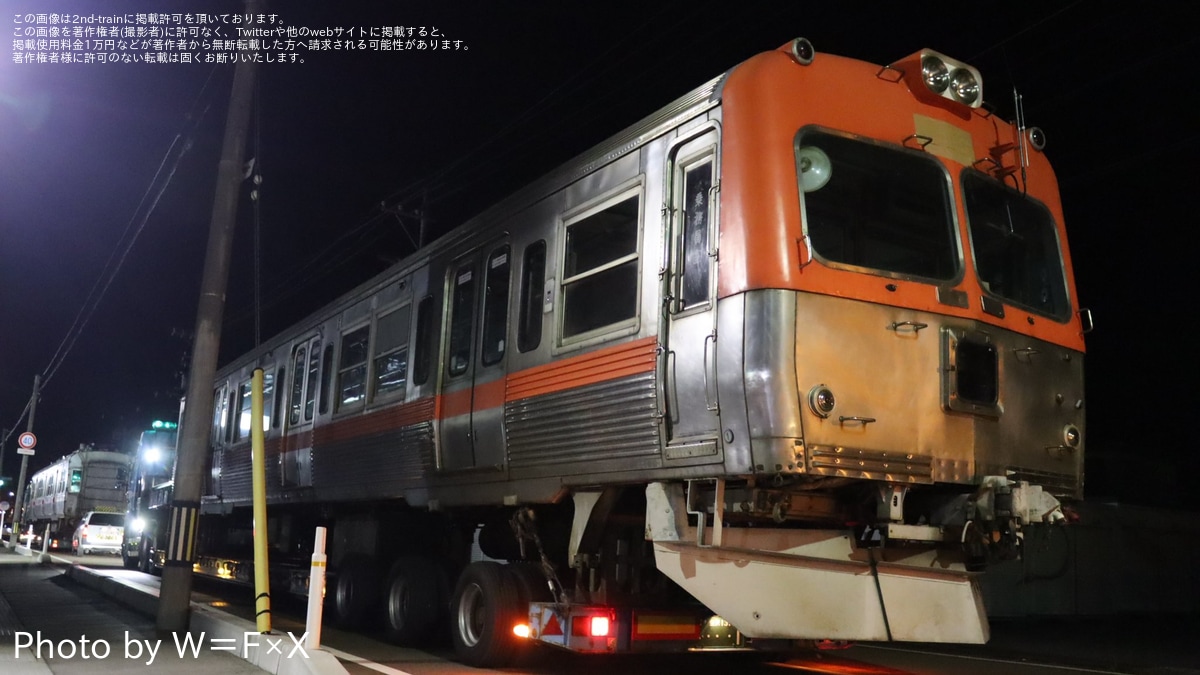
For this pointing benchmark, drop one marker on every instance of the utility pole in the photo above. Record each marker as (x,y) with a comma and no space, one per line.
(176,591)
(33,399)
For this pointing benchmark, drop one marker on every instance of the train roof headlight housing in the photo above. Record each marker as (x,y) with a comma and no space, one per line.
(964,86)
(935,73)
(936,78)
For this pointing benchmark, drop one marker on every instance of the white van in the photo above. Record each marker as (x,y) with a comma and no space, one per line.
(99,531)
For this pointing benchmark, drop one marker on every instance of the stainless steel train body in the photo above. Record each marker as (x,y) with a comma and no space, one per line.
(82,481)
(817,316)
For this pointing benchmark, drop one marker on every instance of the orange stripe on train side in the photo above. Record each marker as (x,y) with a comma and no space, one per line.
(454,403)
(606,364)
(379,421)
(482,396)
(630,358)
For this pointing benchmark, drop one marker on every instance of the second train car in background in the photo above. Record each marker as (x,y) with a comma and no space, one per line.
(797,353)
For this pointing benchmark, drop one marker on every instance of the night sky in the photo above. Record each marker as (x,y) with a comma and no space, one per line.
(538,82)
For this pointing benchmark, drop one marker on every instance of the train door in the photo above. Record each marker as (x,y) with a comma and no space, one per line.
(295,457)
(216,440)
(472,392)
(691,367)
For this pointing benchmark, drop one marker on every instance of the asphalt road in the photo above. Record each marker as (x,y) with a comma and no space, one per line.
(1150,645)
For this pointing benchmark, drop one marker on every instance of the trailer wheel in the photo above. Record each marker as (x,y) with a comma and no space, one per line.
(484,609)
(413,597)
(145,551)
(531,586)
(127,562)
(531,583)
(354,591)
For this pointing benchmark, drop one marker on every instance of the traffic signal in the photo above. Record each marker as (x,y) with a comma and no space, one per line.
(160,425)
(5,480)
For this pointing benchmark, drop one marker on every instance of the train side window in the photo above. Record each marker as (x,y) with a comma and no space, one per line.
(278,406)
(245,405)
(424,341)
(297,397)
(326,377)
(495,307)
(352,367)
(310,382)
(600,267)
(268,398)
(391,352)
(220,422)
(533,287)
(697,183)
(229,417)
(462,314)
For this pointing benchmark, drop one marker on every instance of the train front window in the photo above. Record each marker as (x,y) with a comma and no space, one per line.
(876,207)
(1016,247)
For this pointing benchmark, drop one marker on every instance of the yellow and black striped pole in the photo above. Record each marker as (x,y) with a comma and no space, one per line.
(262,579)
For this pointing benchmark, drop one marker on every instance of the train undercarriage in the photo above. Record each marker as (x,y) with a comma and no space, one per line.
(692,565)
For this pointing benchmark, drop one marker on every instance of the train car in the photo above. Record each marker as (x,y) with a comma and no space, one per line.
(789,360)
(83,481)
(149,495)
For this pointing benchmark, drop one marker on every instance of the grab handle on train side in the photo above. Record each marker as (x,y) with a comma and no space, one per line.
(710,366)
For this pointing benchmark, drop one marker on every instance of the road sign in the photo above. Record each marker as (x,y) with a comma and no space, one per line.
(27,441)
(3,506)
(25,451)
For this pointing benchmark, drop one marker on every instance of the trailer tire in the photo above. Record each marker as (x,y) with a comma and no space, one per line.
(413,598)
(354,591)
(127,562)
(531,586)
(484,609)
(531,583)
(145,551)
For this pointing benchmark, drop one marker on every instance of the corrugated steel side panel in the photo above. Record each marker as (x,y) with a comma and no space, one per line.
(610,420)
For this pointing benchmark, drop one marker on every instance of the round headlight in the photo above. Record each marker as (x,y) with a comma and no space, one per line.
(815,168)
(820,399)
(935,73)
(1071,436)
(964,86)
